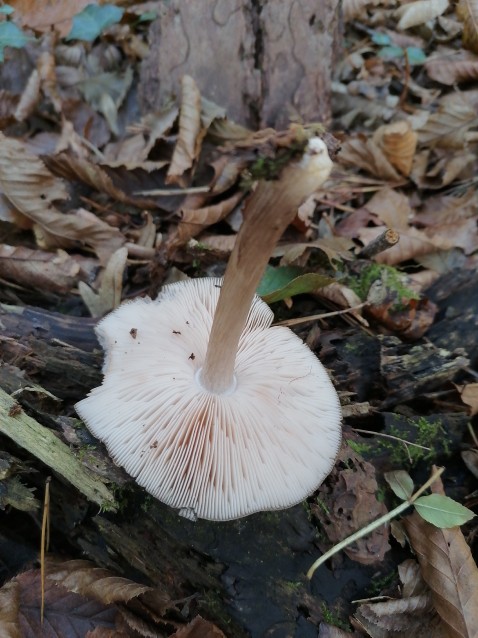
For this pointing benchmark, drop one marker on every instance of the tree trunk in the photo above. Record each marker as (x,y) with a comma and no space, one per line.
(265,61)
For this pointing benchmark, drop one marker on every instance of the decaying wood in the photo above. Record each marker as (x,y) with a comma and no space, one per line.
(264,61)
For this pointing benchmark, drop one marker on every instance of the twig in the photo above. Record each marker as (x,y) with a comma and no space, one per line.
(324,315)
(374,524)
(170,192)
(384,241)
(390,436)
(44,543)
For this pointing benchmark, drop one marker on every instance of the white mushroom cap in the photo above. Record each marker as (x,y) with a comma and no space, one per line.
(265,444)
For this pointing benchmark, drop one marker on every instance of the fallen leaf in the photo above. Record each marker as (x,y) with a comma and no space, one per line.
(469,395)
(195,220)
(190,131)
(365,154)
(199,628)
(450,572)
(49,272)
(448,127)
(450,67)
(398,142)
(348,502)
(42,15)
(89,23)
(32,189)
(467,12)
(287,281)
(108,296)
(413,14)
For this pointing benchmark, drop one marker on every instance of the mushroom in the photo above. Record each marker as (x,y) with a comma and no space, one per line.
(211,409)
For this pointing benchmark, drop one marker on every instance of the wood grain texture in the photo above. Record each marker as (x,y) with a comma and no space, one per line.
(264,61)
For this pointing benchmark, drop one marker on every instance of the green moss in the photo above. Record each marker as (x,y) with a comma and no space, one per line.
(332,616)
(424,432)
(358,447)
(393,280)
(379,584)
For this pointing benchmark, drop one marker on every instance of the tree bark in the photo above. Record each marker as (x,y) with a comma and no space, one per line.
(265,61)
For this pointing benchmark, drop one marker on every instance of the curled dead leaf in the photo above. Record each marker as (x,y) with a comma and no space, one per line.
(190,133)
(365,154)
(398,142)
(194,221)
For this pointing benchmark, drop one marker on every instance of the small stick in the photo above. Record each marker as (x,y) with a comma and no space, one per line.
(324,315)
(390,436)
(384,241)
(170,192)
(44,543)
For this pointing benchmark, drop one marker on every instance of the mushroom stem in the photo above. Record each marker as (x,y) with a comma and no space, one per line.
(269,210)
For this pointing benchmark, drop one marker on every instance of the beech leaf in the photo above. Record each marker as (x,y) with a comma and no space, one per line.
(288,281)
(442,511)
(450,572)
(401,483)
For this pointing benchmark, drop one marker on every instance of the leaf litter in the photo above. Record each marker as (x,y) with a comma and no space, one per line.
(106,203)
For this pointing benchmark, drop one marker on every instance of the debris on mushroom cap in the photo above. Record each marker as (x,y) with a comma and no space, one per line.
(265,444)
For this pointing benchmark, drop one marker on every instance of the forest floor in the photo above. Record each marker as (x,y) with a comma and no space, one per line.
(101,202)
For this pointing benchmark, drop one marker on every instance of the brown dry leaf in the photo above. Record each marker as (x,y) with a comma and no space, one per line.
(411,615)
(42,15)
(66,614)
(344,297)
(330,631)
(349,502)
(467,11)
(413,14)
(353,8)
(49,272)
(398,142)
(365,154)
(76,168)
(199,628)
(29,97)
(151,128)
(32,189)
(449,126)
(450,67)
(8,213)
(47,71)
(391,207)
(469,395)
(190,132)
(194,221)
(450,572)
(108,296)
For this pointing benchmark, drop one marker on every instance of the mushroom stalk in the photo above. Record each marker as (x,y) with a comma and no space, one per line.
(270,209)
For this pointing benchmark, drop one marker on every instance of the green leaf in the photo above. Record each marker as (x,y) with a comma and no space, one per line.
(381,39)
(401,483)
(416,55)
(390,53)
(11,36)
(442,511)
(287,281)
(148,16)
(89,24)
